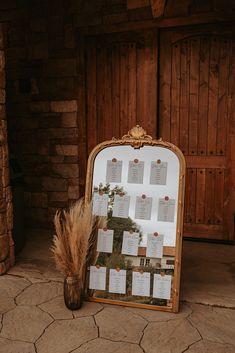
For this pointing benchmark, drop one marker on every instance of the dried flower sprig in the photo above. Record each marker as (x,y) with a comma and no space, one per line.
(74,244)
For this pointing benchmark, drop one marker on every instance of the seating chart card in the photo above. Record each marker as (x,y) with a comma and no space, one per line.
(158,172)
(117,281)
(130,243)
(162,286)
(100,204)
(143,207)
(155,245)
(141,283)
(97,278)
(114,171)
(121,206)
(136,172)
(166,209)
(105,240)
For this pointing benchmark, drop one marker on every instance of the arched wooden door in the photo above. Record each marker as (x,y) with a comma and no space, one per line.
(196,89)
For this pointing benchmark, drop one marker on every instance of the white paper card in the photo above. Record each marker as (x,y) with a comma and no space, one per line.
(114,171)
(155,245)
(117,281)
(105,240)
(100,204)
(162,286)
(143,207)
(158,173)
(166,210)
(97,278)
(136,172)
(121,206)
(141,284)
(130,243)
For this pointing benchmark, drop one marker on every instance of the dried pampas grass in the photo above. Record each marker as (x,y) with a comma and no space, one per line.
(74,245)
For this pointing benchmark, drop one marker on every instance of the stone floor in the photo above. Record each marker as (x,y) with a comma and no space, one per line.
(33,318)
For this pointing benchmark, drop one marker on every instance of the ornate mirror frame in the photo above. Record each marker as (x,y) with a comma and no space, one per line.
(137,138)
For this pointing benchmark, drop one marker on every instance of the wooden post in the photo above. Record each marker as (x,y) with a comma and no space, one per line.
(158,7)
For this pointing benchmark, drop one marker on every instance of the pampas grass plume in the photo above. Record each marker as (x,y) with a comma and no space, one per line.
(74,244)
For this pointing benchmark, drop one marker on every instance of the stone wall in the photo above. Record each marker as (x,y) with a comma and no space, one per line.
(42,106)
(6,216)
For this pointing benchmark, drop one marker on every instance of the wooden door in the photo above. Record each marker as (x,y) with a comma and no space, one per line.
(120,89)
(196,83)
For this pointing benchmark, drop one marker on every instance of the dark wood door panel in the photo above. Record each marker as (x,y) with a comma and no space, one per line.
(120,85)
(120,88)
(195,70)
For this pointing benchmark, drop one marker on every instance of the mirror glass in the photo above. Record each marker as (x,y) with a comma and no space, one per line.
(138,191)
(169,188)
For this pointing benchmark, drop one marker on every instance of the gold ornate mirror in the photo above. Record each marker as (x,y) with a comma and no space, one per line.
(138,183)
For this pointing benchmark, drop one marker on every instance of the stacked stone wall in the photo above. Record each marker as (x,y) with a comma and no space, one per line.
(6,215)
(42,85)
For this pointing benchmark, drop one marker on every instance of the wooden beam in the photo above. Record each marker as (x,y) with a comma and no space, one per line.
(136,4)
(161,23)
(158,7)
(205,162)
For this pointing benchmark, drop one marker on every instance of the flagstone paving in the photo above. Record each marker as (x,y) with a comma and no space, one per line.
(170,336)
(210,347)
(24,323)
(34,319)
(16,346)
(117,324)
(215,324)
(66,335)
(39,293)
(102,345)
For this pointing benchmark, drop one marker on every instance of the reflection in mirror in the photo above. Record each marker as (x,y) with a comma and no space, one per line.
(138,191)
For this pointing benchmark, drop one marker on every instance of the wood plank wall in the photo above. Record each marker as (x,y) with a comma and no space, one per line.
(195,109)
(120,86)
(195,88)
